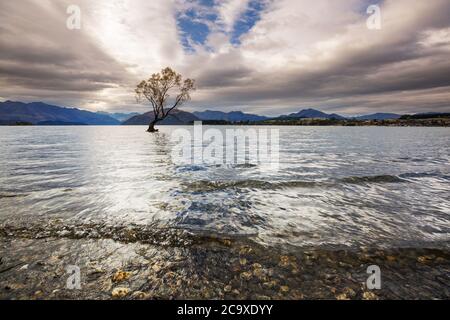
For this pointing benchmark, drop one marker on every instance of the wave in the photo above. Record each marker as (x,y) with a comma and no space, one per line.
(11,195)
(207,185)
(424,175)
(147,234)
(205,167)
(373,179)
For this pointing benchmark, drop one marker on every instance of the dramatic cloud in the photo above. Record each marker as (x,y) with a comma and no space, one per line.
(263,56)
(230,11)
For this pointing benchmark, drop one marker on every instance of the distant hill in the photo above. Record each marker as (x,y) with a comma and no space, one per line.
(428,115)
(37,113)
(234,116)
(176,117)
(119,115)
(312,113)
(379,116)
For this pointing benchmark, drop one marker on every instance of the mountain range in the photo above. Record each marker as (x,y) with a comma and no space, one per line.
(39,113)
(234,116)
(238,116)
(311,113)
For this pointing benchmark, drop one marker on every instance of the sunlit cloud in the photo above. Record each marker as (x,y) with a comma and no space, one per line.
(263,56)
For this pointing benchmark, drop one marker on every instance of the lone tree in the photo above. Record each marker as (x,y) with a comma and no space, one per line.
(159,90)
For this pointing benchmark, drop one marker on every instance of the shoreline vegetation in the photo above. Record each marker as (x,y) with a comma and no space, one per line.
(402,122)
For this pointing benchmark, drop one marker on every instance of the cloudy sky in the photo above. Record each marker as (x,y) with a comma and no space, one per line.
(263,56)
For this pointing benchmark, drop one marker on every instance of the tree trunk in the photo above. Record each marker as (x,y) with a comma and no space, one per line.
(151,127)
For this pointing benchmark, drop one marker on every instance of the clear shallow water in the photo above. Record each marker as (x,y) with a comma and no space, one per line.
(337,186)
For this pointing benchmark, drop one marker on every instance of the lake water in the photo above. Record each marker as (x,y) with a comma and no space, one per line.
(335,187)
(112,202)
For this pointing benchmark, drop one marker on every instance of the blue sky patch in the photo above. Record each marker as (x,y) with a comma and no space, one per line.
(200,19)
(247,21)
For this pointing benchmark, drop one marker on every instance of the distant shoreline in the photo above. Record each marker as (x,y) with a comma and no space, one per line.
(238,124)
(42,114)
(433,122)
(410,122)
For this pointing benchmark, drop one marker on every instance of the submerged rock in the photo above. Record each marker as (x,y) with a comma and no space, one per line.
(369,296)
(120,276)
(139,295)
(246,275)
(270,284)
(120,292)
(156,267)
(342,296)
(425,259)
(284,261)
(209,270)
(284,289)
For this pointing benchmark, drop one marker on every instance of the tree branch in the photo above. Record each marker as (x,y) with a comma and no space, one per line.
(157,91)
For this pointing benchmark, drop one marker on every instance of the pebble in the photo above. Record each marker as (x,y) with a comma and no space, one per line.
(14,286)
(369,296)
(297,295)
(245,250)
(259,273)
(390,258)
(121,276)
(139,295)
(156,268)
(270,284)
(284,289)
(97,270)
(349,292)
(246,275)
(227,243)
(80,234)
(342,296)
(284,261)
(120,292)
(63,233)
(425,259)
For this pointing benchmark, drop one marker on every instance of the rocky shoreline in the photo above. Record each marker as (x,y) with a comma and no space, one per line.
(36,268)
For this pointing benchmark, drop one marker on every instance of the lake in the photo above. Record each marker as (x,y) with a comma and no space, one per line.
(92,193)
